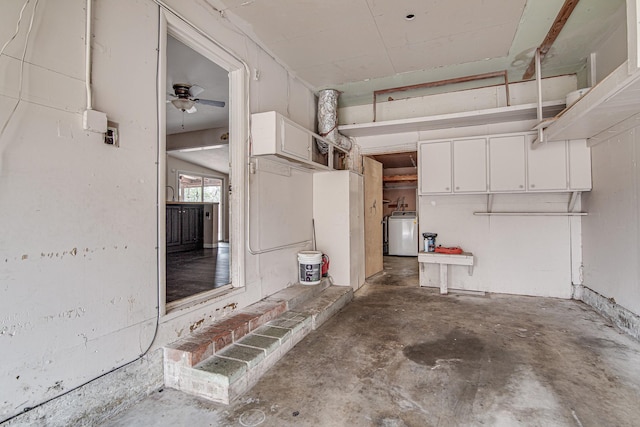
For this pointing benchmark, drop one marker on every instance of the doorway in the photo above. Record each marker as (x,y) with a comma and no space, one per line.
(203,128)
(400,198)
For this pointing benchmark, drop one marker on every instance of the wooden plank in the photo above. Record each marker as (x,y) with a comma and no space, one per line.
(552,35)
(442,82)
(400,178)
(373,212)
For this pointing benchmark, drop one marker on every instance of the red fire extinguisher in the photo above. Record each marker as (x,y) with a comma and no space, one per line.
(325,265)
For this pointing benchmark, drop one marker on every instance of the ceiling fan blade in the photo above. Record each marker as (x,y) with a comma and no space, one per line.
(195,90)
(210,102)
(191,110)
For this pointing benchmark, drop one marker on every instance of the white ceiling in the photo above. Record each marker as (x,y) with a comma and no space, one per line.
(358,46)
(215,157)
(185,65)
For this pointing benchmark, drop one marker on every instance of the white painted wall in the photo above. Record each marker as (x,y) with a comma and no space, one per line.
(611,232)
(554,88)
(517,255)
(79,275)
(514,255)
(611,51)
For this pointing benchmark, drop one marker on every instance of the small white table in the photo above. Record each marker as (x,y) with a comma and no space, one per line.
(465,258)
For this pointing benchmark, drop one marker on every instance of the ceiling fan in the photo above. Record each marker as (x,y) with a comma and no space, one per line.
(186,97)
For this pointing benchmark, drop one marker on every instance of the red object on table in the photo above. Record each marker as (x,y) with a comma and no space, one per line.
(455,250)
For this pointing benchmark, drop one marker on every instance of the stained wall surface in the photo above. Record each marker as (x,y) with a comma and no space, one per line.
(611,232)
(79,275)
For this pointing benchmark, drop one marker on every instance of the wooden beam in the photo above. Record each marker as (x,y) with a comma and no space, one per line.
(399,178)
(552,35)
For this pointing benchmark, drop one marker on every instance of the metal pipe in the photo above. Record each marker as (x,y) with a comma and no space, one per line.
(539,85)
(530,213)
(328,121)
(87,42)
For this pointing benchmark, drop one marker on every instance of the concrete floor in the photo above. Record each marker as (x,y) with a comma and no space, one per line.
(399,355)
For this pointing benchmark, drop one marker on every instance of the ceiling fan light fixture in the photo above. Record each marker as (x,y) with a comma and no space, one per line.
(183,103)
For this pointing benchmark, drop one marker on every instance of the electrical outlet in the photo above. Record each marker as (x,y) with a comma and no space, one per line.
(111,136)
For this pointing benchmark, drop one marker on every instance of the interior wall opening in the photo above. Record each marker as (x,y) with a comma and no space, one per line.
(400,227)
(203,128)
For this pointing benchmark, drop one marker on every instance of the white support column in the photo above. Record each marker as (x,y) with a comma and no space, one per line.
(444,278)
(422,274)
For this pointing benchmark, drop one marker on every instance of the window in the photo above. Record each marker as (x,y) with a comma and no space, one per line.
(199,188)
(211,190)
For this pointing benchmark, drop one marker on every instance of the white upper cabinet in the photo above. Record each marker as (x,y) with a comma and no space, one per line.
(470,165)
(507,163)
(275,136)
(579,165)
(547,166)
(435,167)
(503,164)
(295,140)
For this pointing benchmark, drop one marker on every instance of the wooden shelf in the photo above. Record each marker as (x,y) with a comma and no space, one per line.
(613,100)
(451,120)
(399,178)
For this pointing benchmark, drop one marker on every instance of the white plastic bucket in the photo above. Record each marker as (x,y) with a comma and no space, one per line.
(310,267)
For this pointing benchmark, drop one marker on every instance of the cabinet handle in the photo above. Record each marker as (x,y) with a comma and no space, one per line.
(457,188)
(521,186)
(447,188)
(533,186)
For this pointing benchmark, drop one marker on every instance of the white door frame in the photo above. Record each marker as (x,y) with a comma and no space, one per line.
(238,134)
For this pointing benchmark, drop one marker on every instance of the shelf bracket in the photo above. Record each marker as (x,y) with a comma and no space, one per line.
(573,200)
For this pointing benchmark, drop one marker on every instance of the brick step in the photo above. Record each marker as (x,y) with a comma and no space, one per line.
(200,366)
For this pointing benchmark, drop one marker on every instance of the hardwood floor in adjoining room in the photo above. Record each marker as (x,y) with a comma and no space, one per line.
(192,272)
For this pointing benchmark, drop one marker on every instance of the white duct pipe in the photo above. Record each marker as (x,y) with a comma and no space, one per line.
(328,120)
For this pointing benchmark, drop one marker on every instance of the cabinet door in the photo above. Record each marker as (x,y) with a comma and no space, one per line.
(189,224)
(295,142)
(435,167)
(470,165)
(199,227)
(507,163)
(186,222)
(173,225)
(579,165)
(547,166)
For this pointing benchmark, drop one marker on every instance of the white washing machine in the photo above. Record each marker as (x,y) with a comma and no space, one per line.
(403,233)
